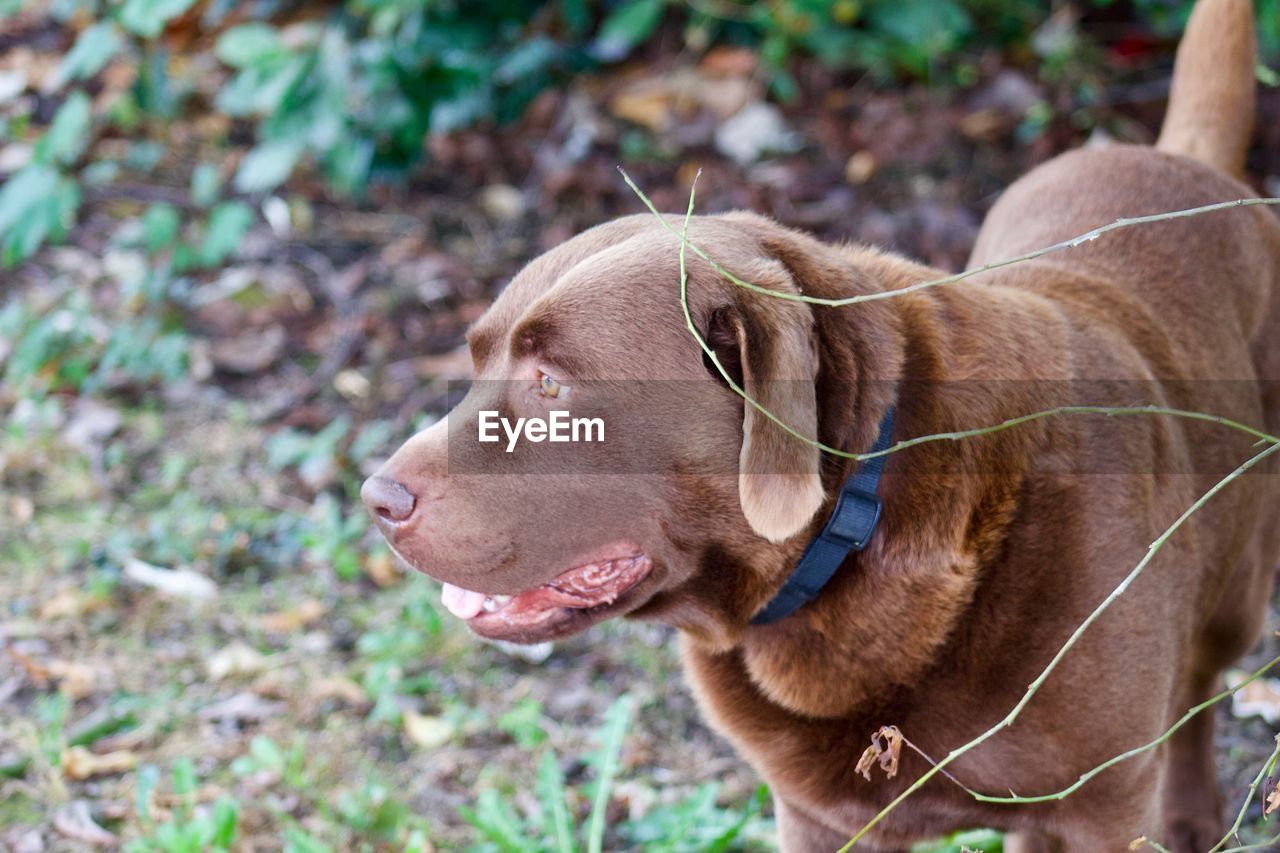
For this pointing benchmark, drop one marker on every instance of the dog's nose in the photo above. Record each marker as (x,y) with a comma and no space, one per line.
(387,500)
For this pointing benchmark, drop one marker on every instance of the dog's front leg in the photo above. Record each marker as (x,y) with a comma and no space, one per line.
(799,833)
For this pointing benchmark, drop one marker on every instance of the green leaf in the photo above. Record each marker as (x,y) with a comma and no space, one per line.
(628,25)
(91,52)
(248,44)
(37,204)
(184,776)
(296,840)
(148,777)
(976,840)
(461,110)
(266,752)
(205,184)
(147,18)
(160,226)
(525,60)
(227,225)
(576,15)
(497,821)
(26,189)
(551,796)
(68,132)
(267,165)
(226,814)
(924,30)
(616,720)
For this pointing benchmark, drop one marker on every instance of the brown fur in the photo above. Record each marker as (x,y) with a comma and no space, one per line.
(990,550)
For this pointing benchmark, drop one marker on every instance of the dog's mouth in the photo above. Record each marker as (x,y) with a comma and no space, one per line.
(565,604)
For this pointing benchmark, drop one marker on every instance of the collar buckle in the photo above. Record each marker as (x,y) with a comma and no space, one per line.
(850,527)
(854,519)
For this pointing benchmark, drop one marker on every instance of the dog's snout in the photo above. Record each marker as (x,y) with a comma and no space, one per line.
(387,499)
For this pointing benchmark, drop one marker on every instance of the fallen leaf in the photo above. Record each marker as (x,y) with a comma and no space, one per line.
(74,821)
(235,659)
(648,103)
(242,707)
(21,508)
(90,425)
(36,671)
(729,61)
(22,839)
(427,732)
(250,351)
(70,603)
(861,166)
(288,621)
(886,746)
(338,687)
(179,583)
(76,680)
(754,131)
(503,202)
(80,763)
(12,84)
(383,569)
(1257,698)
(1271,799)
(984,125)
(352,384)
(725,96)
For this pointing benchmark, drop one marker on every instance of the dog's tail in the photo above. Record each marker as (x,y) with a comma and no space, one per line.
(1211,104)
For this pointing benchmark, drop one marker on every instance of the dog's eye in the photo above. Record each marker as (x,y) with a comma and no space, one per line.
(548,386)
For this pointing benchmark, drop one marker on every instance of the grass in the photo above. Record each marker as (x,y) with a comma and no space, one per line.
(289,709)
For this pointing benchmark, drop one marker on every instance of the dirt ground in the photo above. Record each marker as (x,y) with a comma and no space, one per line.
(298,670)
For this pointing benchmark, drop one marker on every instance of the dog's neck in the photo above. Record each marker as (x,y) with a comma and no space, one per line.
(883,619)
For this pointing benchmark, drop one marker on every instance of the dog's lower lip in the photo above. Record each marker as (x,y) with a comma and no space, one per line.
(583,589)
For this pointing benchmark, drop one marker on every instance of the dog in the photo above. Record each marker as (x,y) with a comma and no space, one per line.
(978,557)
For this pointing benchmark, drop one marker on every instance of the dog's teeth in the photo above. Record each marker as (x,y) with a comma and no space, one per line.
(494,602)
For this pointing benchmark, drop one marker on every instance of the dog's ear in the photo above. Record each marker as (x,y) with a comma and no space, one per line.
(768,347)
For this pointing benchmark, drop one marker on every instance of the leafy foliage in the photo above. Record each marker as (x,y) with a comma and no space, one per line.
(188,829)
(693,823)
(348,96)
(353,94)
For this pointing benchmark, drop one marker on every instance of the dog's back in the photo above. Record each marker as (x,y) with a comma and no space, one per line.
(1221,268)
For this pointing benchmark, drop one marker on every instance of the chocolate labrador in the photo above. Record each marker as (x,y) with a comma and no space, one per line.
(817,599)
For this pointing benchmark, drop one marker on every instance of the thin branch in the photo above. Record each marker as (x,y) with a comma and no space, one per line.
(1267,766)
(1152,550)
(1069,410)
(1125,756)
(683,235)
(1035,686)
(1127,222)
(1269,844)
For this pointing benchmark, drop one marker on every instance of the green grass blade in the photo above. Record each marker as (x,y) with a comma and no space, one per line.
(616,720)
(555,817)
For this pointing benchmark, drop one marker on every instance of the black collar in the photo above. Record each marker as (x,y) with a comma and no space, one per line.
(850,527)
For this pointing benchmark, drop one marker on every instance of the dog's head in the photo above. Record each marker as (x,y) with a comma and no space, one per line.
(687,505)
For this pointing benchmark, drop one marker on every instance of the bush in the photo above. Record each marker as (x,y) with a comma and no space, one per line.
(350,90)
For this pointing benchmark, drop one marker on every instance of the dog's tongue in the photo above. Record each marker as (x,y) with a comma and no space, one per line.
(580,588)
(462,603)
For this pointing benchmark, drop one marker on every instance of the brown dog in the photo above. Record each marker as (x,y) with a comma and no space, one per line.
(695,508)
